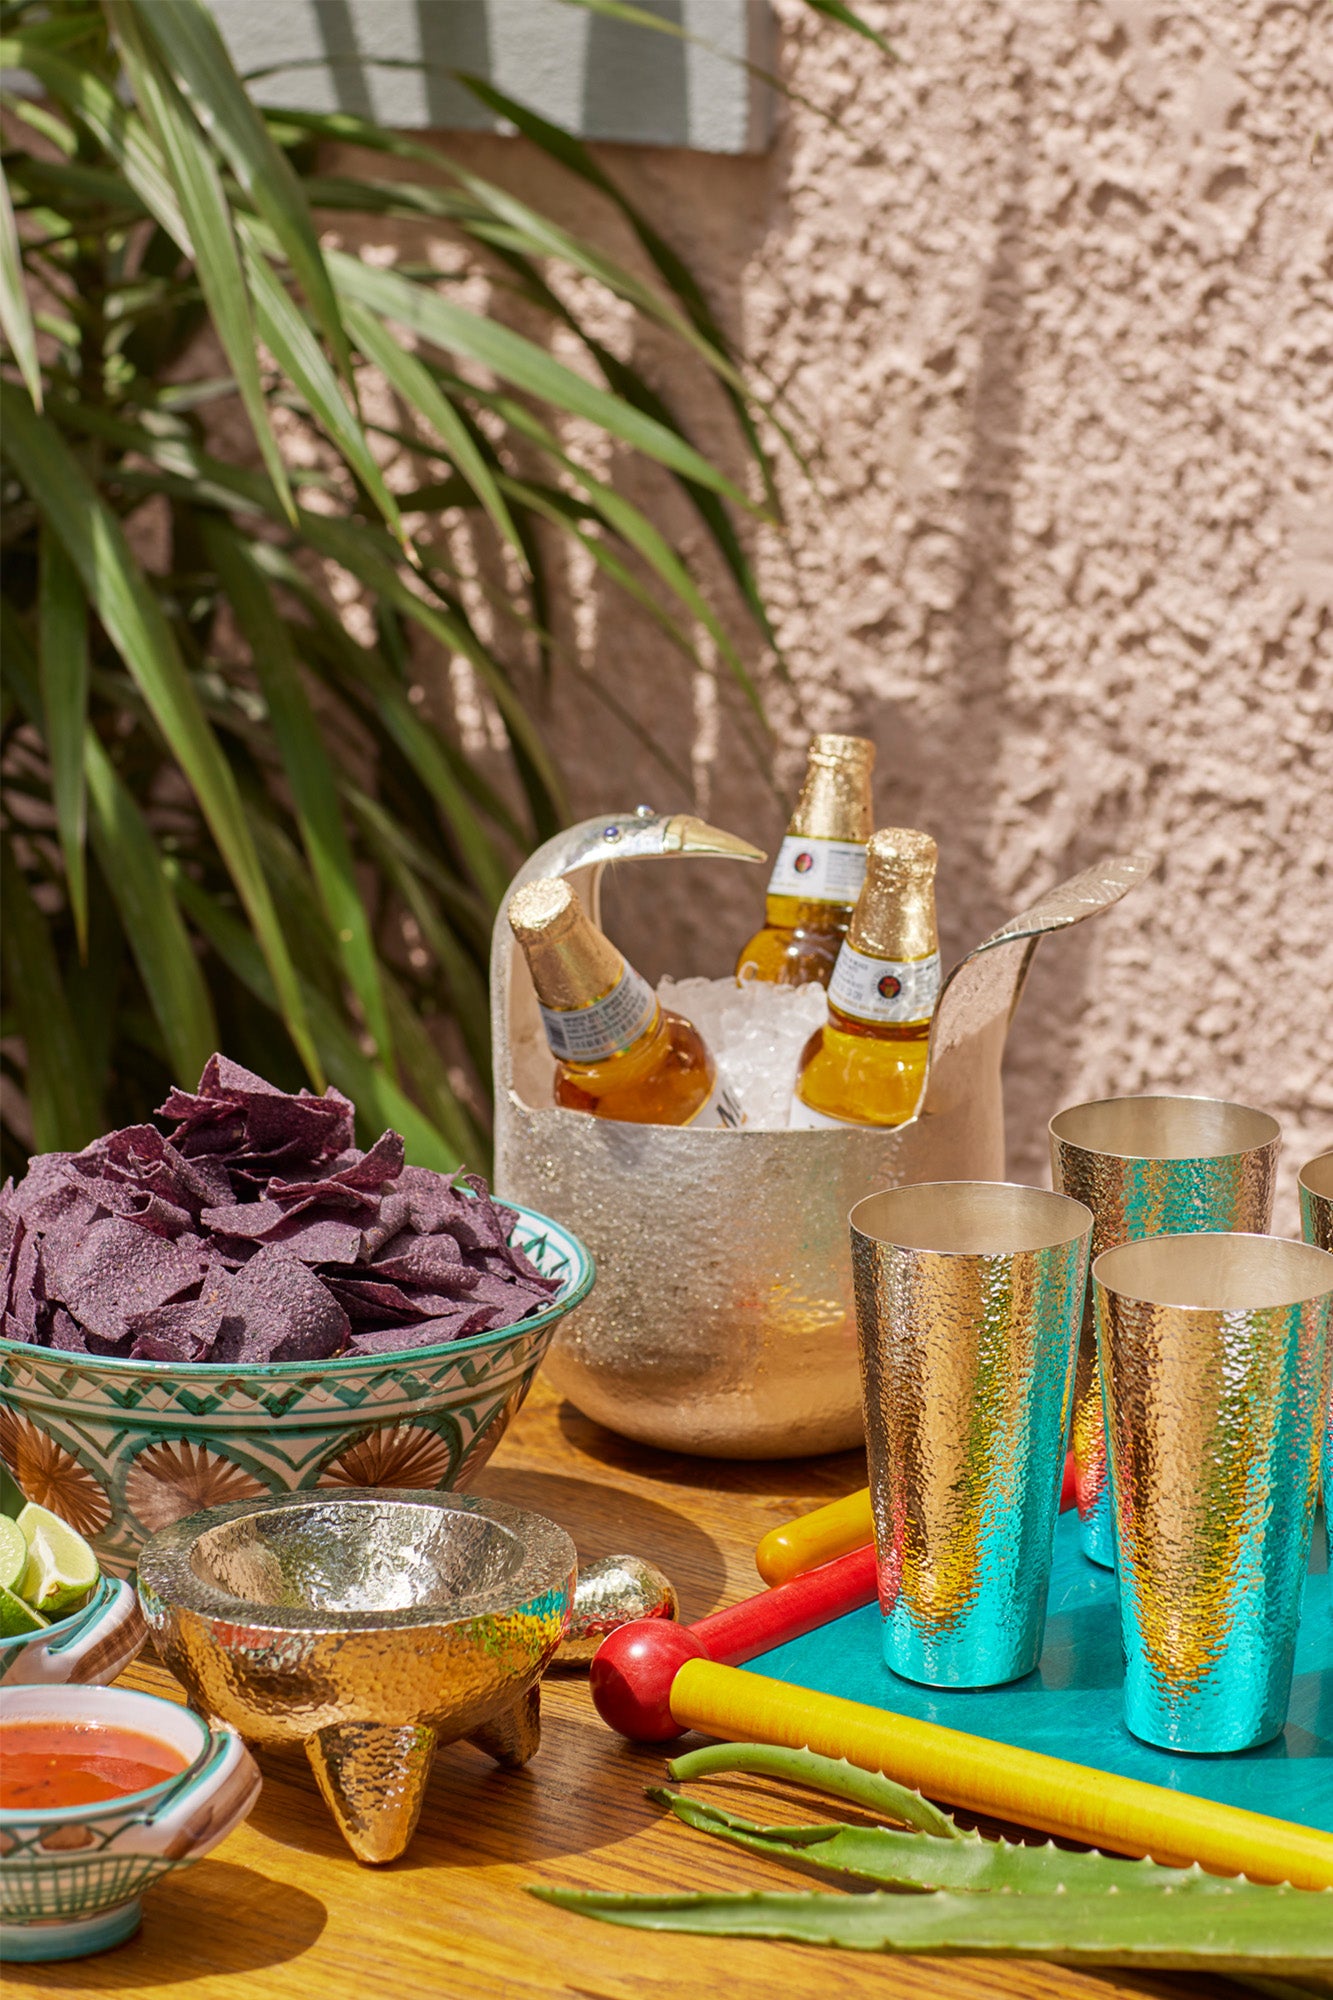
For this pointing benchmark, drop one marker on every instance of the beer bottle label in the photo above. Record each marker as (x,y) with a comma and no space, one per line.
(878,990)
(804,1118)
(818,871)
(607,1026)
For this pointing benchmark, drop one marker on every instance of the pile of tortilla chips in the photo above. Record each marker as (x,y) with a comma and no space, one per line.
(255,1231)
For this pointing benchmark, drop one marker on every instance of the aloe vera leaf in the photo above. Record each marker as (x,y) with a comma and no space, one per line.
(833,1775)
(907,1861)
(1271,1930)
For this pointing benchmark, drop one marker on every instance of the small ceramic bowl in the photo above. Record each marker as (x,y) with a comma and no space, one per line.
(93,1644)
(71,1877)
(121,1449)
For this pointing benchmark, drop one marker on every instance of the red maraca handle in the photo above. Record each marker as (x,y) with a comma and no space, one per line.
(788,1610)
(634,1667)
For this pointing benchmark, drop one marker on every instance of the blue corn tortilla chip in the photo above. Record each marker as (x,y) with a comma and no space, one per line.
(354,1173)
(107,1272)
(8,1225)
(254,1230)
(313,1238)
(423,1260)
(255,1118)
(26,1305)
(140,1156)
(426,1332)
(275,1309)
(394,1213)
(366,1301)
(186,1329)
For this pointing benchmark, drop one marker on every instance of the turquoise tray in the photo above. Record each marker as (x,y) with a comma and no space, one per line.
(1070,1707)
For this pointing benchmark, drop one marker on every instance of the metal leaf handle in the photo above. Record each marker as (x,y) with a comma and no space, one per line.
(979,996)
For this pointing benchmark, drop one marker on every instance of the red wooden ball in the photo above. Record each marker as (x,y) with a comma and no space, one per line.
(631,1676)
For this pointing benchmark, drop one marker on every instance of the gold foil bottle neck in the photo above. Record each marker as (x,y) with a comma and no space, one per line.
(895,912)
(572,963)
(835,801)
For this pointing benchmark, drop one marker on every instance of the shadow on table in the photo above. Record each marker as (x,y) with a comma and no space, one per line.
(809,1481)
(602,1520)
(584,1790)
(208,1921)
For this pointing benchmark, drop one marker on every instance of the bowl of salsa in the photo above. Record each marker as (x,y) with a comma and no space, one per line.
(103,1791)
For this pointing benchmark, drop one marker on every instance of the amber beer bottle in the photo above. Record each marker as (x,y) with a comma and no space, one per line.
(819,868)
(867,1065)
(618,1053)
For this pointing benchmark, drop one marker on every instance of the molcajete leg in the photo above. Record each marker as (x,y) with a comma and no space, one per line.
(512,1736)
(374,1779)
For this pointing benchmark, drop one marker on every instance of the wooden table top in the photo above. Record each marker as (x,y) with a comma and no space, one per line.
(281,1911)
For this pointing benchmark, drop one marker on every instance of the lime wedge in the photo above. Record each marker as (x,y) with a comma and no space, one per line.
(13,1553)
(11,1499)
(61,1568)
(16,1617)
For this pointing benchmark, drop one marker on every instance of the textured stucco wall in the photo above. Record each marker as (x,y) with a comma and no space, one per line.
(1053,297)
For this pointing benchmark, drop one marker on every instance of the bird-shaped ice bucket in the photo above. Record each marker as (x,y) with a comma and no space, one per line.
(722,1320)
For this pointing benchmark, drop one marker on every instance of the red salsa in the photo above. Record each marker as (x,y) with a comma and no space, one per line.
(46,1764)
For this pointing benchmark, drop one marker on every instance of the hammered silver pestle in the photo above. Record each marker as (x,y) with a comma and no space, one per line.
(613,1591)
(367,1627)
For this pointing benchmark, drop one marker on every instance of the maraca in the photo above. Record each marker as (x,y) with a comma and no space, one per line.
(634,1667)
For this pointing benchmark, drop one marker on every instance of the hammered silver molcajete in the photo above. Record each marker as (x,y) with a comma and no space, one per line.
(722,1322)
(366,1627)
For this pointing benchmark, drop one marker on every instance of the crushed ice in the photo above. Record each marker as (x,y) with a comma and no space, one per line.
(756,1032)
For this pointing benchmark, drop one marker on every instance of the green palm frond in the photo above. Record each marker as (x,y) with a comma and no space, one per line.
(230,817)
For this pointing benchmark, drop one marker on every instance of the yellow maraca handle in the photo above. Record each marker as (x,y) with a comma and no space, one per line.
(816,1538)
(1005,1783)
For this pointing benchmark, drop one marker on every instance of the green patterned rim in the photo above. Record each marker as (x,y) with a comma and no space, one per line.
(531,1223)
(62,1631)
(162,1792)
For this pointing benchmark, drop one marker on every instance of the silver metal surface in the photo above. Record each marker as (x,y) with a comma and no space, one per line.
(723,1322)
(1214,1353)
(616,1591)
(367,1627)
(968,1295)
(1316,1185)
(1151,1166)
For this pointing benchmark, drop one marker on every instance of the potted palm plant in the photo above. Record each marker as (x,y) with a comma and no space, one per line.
(221,802)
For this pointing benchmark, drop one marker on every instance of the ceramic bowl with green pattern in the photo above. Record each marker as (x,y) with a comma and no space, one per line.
(120,1448)
(72,1876)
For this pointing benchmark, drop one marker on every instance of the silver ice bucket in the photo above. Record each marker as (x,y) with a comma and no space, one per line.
(722,1320)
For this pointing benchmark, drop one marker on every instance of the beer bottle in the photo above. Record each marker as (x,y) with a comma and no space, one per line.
(866,1066)
(819,868)
(619,1054)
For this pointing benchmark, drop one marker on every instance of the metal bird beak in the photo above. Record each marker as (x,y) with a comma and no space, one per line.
(684,834)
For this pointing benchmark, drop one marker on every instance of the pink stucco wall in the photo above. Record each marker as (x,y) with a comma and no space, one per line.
(1052,300)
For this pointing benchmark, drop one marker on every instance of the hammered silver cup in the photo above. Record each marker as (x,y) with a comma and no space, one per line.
(1214,1351)
(1151,1166)
(1316,1186)
(968,1295)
